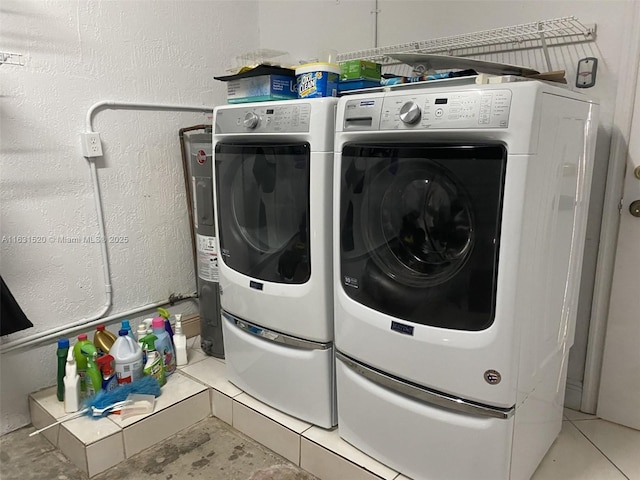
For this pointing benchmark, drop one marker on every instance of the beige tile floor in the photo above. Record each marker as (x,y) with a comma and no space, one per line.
(587,447)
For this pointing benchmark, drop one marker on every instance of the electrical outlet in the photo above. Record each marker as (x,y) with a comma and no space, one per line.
(91,144)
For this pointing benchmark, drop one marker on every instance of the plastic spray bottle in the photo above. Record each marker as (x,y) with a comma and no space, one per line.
(71,385)
(93,379)
(106,364)
(81,362)
(140,334)
(164,346)
(103,339)
(154,365)
(180,343)
(62,352)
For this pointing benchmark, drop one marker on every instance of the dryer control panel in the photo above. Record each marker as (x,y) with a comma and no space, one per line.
(264,119)
(469,109)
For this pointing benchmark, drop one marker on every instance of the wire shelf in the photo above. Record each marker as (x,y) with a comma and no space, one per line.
(11,59)
(558,31)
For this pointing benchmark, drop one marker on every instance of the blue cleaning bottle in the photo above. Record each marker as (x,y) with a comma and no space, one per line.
(164,314)
(127,326)
(164,346)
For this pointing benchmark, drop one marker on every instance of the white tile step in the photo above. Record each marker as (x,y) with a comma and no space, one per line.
(94,445)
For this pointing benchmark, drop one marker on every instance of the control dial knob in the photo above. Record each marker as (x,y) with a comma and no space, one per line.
(410,113)
(251,120)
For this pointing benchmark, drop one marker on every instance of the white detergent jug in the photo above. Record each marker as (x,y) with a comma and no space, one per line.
(128,358)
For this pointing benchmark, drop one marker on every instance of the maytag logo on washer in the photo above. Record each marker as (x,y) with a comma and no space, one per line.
(492,377)
(402,328)
(351,281)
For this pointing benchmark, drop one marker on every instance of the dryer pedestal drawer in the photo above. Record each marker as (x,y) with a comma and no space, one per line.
(291,375)
(420,440)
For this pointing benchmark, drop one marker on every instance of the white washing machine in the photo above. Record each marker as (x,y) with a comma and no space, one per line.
(273,203)
(459,223)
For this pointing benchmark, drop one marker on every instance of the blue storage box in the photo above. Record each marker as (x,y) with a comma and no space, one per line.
(346,85)
(261,88)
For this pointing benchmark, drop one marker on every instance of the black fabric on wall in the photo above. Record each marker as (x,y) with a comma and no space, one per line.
(12,318)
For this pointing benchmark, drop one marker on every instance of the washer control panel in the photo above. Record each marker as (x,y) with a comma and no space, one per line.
(467,109)
(264,119)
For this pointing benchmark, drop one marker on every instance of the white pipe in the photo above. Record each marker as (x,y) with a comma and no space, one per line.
(140,106)
(98,317)
(623,117)
(375,12)
(88,323)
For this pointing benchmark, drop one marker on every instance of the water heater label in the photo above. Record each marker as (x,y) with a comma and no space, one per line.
(207,258)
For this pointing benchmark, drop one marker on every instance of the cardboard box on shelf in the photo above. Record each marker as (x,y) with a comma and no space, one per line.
(360,70)
(261,88)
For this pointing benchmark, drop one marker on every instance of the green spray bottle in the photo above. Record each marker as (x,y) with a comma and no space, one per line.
(93,378)
(154,365)
(81,362)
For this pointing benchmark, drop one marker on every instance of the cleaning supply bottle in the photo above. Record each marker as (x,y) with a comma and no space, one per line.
(128,358)
(106,364)
(140,334)
(147,323)
(164,346)
(92,378)
(164,314)
(71,385)
(127,326)
(103,339)
(62,352)
(180,343)
(81,363)
(154,365)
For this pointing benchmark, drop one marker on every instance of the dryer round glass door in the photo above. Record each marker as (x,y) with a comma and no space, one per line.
(263,207)
(419,230)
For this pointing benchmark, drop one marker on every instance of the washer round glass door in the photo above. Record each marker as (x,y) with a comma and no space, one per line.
(263,209)
(419,230)
(424,235)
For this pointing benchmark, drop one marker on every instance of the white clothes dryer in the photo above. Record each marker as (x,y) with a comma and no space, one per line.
(460,215)
(273,181)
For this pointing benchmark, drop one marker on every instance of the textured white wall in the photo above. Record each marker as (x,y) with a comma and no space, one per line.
(304,28)
(77,53)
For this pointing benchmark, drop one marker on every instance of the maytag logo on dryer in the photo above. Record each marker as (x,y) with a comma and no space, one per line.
(402,328)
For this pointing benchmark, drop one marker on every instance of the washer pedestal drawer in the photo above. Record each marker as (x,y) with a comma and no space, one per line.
(420,440)
(296,380)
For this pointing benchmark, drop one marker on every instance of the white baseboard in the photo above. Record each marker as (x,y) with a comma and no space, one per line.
(573,394)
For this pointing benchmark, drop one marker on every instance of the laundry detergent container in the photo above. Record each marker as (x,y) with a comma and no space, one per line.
(318,79)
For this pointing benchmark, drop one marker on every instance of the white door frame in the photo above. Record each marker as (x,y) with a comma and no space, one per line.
(621,132)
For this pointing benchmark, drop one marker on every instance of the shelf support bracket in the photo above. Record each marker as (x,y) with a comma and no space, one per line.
(11,59)
(545,50)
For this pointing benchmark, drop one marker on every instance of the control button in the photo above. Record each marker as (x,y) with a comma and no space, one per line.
(410,113)
(439,112)
(251,120)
